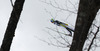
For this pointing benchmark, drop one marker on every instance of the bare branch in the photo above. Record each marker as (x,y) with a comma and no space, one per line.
(57,39)
(57,31)
(58,7)
(72,5)
(63,38)
(12,3)
(93,38)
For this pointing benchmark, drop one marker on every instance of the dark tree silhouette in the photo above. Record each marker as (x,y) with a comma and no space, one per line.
(86,13)
(10,31)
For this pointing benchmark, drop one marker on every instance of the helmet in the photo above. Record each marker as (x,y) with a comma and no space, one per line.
(52,20)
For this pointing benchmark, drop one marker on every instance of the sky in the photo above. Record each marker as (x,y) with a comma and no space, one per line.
(34,19)
(32,22)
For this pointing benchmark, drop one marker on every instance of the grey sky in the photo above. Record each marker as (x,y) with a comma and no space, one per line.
(32,22)
(34,19)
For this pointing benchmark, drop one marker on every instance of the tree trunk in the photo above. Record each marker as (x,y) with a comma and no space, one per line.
(12,24)
(86,13)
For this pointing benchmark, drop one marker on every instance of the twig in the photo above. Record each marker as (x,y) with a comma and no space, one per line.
(93,39)
(57,31)
(58,7)
(12,3)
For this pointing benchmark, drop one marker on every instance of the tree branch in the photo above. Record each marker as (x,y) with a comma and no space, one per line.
(12,25)
(93,39)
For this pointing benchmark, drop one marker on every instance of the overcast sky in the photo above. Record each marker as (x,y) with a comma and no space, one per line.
(33,21)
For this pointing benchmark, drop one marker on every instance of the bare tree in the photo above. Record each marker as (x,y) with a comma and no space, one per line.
(12,24)
(86,13)
(85,30)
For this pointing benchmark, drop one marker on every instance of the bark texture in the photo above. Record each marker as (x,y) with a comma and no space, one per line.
(86,13)
(12,24)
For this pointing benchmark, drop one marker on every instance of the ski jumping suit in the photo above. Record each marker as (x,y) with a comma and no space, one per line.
(58,23)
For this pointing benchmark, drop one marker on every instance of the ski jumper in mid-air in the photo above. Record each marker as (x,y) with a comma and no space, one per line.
(58,23)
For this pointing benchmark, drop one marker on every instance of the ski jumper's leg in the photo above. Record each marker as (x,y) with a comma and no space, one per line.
(69,30)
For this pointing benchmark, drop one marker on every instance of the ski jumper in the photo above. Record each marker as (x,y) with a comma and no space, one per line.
(58,23)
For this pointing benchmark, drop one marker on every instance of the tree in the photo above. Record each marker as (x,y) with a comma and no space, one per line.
(86,13)
(12,24)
